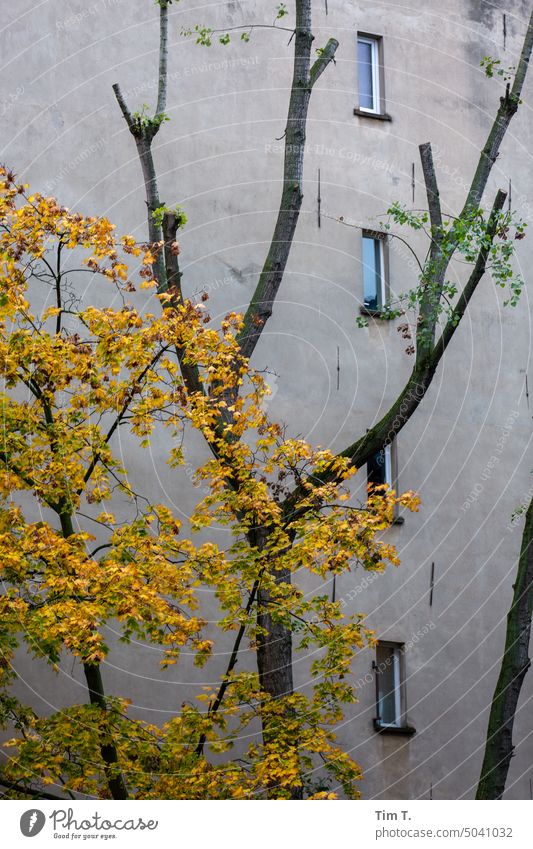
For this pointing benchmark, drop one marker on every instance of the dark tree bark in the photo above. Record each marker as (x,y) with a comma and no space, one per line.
(274,648)
(108,750)
(144,132)
(172,286)
(303,80)
(515,664)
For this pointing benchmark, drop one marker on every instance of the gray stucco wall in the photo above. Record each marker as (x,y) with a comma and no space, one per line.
(219,157)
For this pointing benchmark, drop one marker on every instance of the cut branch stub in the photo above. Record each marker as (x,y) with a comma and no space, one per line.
(435,268)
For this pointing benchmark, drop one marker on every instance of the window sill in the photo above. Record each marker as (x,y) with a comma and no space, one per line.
(378,116)
(394,729)
(373,313)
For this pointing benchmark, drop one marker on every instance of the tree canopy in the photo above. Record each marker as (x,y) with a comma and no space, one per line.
(73,375)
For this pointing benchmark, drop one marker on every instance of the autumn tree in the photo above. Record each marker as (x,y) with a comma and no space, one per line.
(81,547)
(430,311)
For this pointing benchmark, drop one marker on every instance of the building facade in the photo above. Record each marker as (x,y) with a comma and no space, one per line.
(405,74)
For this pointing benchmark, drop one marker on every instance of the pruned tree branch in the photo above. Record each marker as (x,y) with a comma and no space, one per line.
(509,104)
(435,268)
(144,130)
(144,135)
(413,392)
(303,80)
(173,273)
(432,189)
(327,55)
(189,371)
(163,59)
(123,106)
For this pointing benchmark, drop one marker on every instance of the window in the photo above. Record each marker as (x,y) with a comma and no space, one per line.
(390,688)
(382,468)
(374,288)
(368,67)
(379,468)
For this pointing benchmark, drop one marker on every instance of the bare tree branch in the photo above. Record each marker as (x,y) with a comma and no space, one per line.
(163,60)
(410,397)
(327,55)
(509,104)
(435,267)
(123,107)
(303,80)
(144,130)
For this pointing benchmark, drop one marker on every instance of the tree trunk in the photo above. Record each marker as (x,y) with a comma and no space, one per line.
(116,783)
(515,663)
(93,676)
(274,649)
(155,233)
(274,654)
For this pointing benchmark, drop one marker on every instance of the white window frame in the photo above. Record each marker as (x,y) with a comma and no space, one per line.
(376,87)
(382,282)
(397,675)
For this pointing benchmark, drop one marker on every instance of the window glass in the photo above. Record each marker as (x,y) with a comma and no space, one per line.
(388,671)
(372,273)
(365,59)
(379,467)
(376,470)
